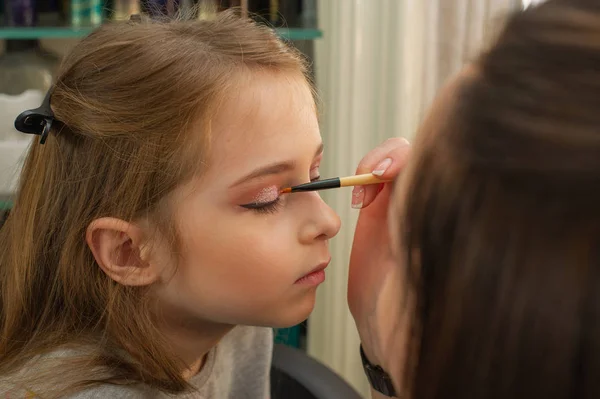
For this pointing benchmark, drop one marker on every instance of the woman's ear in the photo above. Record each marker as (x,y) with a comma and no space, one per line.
(120,249)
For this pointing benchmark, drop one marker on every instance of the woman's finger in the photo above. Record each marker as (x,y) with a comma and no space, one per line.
(375,157)
(385,161)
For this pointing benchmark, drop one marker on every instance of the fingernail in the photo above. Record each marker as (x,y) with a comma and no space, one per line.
(358,195)
(382,167)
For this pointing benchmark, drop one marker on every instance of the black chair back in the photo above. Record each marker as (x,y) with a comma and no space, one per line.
(295,375)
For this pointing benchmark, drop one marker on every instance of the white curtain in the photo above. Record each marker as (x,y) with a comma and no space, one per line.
(378,68)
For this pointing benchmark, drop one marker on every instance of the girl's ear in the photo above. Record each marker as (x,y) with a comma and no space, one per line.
(121,251)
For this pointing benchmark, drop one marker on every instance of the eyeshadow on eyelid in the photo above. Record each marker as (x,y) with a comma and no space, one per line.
(267,194)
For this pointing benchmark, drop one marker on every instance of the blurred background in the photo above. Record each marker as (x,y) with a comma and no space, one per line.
(377,65)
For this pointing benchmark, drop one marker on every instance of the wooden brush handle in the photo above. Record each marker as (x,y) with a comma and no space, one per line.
(361,180)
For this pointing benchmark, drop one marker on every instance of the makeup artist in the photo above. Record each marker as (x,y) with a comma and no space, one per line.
(477,275)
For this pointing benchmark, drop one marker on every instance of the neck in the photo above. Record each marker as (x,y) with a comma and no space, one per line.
(191,340)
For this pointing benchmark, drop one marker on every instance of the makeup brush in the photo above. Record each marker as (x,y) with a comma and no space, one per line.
(357,180)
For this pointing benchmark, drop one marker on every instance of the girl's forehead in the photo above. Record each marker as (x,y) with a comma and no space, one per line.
(267,108)
(269,117)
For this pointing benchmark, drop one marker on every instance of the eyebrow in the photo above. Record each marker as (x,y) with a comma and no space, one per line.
(273,169)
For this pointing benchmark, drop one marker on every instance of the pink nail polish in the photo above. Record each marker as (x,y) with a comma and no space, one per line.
(358,196)
(382,167)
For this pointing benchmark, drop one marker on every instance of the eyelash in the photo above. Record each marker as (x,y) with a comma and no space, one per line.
(269,207)
(264,208)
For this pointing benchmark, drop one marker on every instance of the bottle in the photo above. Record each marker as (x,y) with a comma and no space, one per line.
(207,9)
(124,9)
(308,14)
(86,12)
(20,13)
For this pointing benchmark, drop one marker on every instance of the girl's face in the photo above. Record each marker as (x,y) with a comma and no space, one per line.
(246,251)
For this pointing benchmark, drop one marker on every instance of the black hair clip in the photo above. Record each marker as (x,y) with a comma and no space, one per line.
(37,121)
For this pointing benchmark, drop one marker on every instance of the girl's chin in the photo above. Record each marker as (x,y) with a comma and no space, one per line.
(295,314)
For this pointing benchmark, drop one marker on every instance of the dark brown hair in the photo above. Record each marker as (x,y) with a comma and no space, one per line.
(504,214)
(134,103)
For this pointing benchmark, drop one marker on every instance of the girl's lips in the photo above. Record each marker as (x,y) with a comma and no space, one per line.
(312,279)
(315,276)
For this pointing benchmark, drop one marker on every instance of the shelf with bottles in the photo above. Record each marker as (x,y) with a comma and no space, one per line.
(55,32)
(26,19)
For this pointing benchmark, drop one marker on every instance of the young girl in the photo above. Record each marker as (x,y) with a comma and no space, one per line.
(149,224)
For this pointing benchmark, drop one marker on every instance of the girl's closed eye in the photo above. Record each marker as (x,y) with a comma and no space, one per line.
(315,174)
(266,201)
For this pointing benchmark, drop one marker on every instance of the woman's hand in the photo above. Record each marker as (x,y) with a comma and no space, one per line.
(371,262)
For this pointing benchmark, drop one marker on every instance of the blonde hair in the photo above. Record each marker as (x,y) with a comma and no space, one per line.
(133,103)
